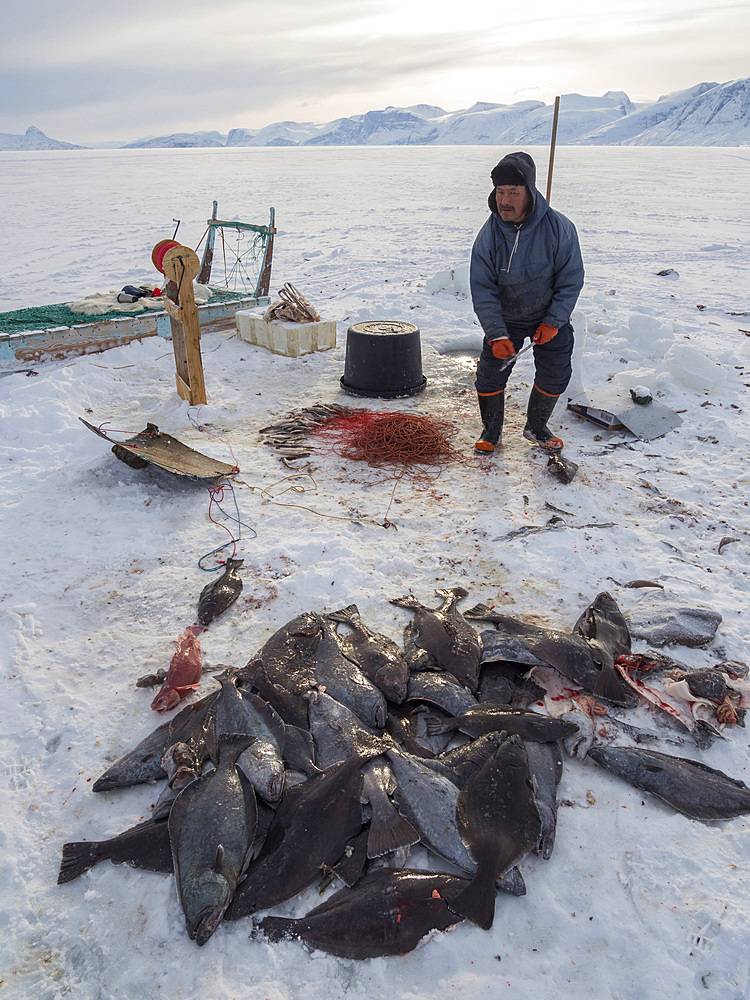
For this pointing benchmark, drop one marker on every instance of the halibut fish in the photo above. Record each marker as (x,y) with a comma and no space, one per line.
(386,913)
(499,822)
(220,594)
(377,656)
(446,635)
(692,788)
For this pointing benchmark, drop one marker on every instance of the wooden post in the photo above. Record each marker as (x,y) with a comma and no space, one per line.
(181,266)
(264,280)
(208,251)
(552,147)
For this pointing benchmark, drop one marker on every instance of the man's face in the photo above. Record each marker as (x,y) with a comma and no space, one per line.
(513,202)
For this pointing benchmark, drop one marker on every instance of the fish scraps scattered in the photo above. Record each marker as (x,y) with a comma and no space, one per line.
(289,437)
(552,524)
(334,751)
(562,468)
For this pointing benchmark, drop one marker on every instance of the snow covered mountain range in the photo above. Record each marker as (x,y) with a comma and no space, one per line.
(33,139)
(708,114)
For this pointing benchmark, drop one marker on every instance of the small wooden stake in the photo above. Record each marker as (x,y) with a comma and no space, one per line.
(552,147)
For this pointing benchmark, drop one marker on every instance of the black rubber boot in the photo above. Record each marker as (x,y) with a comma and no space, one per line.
(492,410)
(537,414)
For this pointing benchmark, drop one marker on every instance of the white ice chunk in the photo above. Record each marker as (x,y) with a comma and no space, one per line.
(649,333)
(455,281)
(693,368)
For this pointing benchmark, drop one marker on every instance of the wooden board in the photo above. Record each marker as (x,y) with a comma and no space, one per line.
(155,448)
(92,338)
(181,265)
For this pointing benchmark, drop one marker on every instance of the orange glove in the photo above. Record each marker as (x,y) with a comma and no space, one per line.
(544,333)
(503,347)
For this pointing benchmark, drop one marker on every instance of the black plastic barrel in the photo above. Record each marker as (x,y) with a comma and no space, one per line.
(383,358)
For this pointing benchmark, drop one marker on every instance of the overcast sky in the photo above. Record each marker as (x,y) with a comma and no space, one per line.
(88,71)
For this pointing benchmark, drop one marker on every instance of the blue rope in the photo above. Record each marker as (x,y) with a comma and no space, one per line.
(232,541)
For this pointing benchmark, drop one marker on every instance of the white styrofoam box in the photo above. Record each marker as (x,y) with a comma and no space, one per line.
(279,337)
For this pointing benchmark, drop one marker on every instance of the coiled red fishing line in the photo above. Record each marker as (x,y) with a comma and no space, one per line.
(391,438)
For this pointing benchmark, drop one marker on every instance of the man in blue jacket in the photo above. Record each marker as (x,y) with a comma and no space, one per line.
(526,275)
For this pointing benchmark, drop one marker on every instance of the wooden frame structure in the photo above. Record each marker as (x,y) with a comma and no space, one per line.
(266,232)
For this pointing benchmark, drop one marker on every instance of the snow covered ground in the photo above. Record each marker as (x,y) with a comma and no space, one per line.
(100,562)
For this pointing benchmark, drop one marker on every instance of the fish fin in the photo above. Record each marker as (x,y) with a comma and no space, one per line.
(480,612)
(609,687)
(231,745)
(183,690)
(350,866)
(275,928)
(512,882)
(390,832)
(77,858)
(219,860)
(477,901)
(407,602)
(345,614)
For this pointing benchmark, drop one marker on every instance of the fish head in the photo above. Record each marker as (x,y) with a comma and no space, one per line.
(183,777)
(393,683)
(167,698)
(264,769)
(181,763)
(381,713)
(469,675)
(208,899)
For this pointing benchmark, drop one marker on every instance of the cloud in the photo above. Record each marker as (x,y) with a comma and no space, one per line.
(97,72)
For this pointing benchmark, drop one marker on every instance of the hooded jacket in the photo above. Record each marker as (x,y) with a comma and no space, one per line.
(527,274)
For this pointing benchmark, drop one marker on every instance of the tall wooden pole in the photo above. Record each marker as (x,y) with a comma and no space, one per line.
(552,147)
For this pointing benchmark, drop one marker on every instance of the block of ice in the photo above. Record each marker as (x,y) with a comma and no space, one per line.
(693,368)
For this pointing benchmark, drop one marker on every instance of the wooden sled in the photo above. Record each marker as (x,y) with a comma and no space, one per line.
(152,447)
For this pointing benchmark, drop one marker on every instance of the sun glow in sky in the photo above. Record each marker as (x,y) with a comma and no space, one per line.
(88,72)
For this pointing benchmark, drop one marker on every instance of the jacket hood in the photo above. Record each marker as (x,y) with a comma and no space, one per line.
(524,164)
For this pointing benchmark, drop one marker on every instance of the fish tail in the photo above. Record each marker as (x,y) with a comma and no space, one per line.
(274,928)
(347,614)
(609,686)
(477,901)
(453,593)
(434,725)
(480,612)
(231,745)
(77,858)
(389,831)
(406,602)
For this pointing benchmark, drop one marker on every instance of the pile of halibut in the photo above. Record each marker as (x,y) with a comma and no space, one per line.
(334,751)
